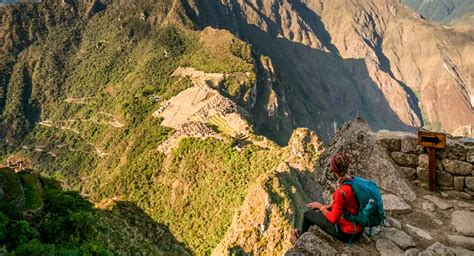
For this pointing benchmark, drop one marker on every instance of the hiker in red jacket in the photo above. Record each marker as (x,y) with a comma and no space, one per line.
(330,217)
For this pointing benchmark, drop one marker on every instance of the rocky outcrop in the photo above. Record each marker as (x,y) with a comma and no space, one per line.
(417,223)
(276,202)
(369,160)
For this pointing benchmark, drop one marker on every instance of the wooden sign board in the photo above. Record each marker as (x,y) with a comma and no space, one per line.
(432,139)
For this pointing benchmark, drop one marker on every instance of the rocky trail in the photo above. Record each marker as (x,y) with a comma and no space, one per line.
(418,222)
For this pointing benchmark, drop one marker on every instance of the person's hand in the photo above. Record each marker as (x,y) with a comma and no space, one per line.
(314,205)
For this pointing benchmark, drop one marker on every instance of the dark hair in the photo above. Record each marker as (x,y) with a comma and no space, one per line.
(340,163)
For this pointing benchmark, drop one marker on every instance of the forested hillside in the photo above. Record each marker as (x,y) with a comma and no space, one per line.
(185,111)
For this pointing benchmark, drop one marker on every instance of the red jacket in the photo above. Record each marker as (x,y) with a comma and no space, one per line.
(344,199)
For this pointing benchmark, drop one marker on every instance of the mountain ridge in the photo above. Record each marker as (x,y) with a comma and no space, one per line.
(106,97)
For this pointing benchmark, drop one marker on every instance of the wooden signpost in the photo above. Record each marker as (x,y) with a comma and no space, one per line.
(432,141)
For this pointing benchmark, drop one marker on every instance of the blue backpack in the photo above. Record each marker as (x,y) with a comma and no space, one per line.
(371,212)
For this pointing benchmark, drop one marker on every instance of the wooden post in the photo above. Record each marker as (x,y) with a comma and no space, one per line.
(432,141)
(432,168)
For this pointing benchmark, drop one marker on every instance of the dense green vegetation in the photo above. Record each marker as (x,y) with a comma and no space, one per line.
(64,223)
(94,84)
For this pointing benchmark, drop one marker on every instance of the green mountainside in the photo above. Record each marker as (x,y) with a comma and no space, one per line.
(169,125)
(38,217)
(79,84)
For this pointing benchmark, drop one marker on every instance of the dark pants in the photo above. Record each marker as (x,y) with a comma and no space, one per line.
(312,217)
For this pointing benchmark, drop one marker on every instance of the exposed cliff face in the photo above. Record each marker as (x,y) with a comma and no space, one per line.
(362,54)
(274,205)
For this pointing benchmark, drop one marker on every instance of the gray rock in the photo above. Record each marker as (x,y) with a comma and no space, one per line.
(457,167)
(471,193)
(461,251)
(400,238)
(422,174)
(470,183)
(470,155)
(463,222)
(444,179)
(414,231)
(310,244)
(408,172)
(394,203)
(438,249)
(394,222)
(412,252)
(457,151)
(458,183)
(409,144)
(387,248)
(428,206)
(369,160)
(461,204)
(440,203)
(456,194)
(423,161)
(390,143)
(403,159)
(463,241)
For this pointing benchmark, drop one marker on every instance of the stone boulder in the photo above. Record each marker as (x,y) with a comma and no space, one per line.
(317,242)
(311,244)
(400,238)
(437,249)
(387,248)
(395,204)
(463,222)
(457,167)
(463,241)
(369,160)
(470,183)
(470,155)
(414,231)
(403,159)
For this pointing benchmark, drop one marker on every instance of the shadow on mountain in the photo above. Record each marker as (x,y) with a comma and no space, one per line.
(39,216)
(315,88)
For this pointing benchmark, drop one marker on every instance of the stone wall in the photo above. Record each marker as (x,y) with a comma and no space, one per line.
(454,164)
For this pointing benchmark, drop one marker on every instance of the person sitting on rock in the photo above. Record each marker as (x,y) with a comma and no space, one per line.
(330,217)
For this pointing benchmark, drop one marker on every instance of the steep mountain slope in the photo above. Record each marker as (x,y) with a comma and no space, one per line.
(80,83)
(363,54)
(143,100)
(445,11)
(37,216)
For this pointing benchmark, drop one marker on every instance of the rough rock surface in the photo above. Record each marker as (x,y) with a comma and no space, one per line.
(400,238)
(463,222)
(369,160)
(440,203)
(418,232)
(395,203)
(387,247)
(457,167)
(463,241)
(404,159)
(470,183)
(408,172)
(437,249)
(459,183)
(418,227)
